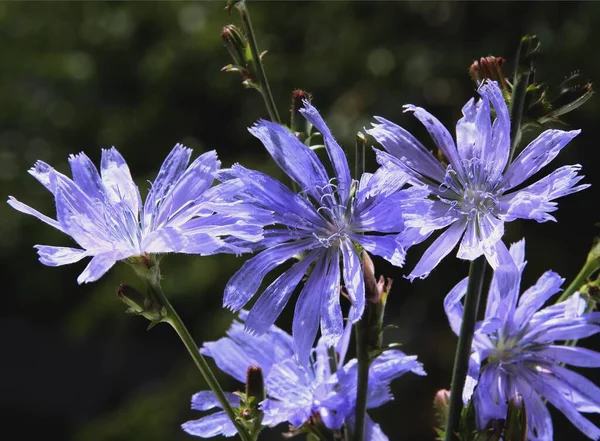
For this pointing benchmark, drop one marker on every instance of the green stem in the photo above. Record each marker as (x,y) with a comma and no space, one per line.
(463,349)
(517,103)
(263,83)
(590,267)
(362,355)
(175,321)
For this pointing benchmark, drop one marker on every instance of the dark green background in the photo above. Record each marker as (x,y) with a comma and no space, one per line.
(143,76)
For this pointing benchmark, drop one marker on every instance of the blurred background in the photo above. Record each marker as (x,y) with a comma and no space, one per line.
(142,76)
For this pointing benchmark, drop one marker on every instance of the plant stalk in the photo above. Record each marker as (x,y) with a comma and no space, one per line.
(463,349)
(261,75)
(362,355)
(175,321)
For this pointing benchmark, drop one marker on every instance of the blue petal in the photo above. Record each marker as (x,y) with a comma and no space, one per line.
(536,200)
(440,135)
(118,182)
(388,247)
(273,299)
(539,421)
(488,404)
(474,129)
(536,155)
(56,256)
(170,171)
(438,250)
(308,308)
(574,356)
(335,152)
(505,271)
(86,177)
(181,202)
(453,305)
(298,161)
(497,151)
(206,400)
(332,322)
(353,280)
(20,206)
(372,430)
(544,387)
(212,425)
(98,266)
(246,281)
(535,297)
(384,182)
(414,157)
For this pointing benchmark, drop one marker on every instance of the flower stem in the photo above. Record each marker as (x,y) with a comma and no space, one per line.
(517,103)
(590,267)
(362,355)
(263,83)
(463,349)
(175,321)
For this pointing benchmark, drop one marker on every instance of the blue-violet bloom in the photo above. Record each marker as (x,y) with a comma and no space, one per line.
(297,393)
(475,193)
(104,214)
(323,223)
(515,354)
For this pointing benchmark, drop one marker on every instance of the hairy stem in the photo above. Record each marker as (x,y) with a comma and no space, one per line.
(463,349)
(261,75)
(590,267)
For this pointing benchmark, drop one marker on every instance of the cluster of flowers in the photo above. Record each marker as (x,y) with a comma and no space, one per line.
(471,194)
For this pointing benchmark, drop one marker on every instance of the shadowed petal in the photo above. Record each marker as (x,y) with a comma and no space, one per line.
(474,129)
(353,280)
(496,152)
(246,281)
(389,247)
(438,250)
(273,299)
(332,322)
(86,176)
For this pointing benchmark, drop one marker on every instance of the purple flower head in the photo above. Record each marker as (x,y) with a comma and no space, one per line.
(475,193)
(296,392)
(104,214)
(321,225)
(514,353)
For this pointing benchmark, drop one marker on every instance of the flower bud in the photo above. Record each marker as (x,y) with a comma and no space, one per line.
(255,385)
(489,68)
(441,401)
(140,304)
(516,420)
(236,44)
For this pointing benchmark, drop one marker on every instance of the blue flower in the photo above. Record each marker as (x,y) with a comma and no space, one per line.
(475,193)
(296,393)
(323,222)
(516,345)
(104,215)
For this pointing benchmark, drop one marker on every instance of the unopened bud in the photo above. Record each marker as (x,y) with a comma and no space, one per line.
(236,44)
(529,49)
(516,420)
(255,385)
(441,401)
(140,304)
(376,292)
(570,98)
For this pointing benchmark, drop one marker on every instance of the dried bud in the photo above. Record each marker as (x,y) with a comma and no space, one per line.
(300,127)
(236,44)
(489,68)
